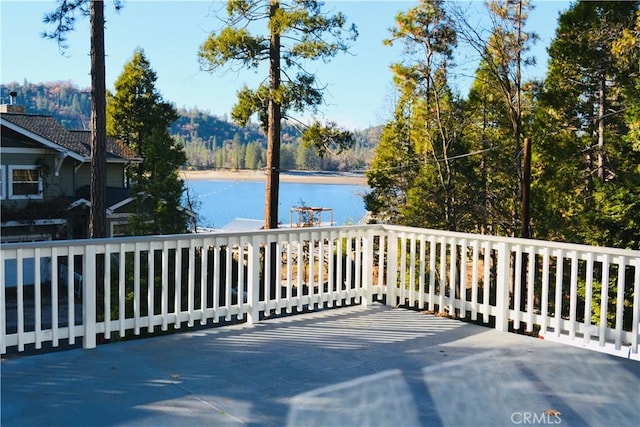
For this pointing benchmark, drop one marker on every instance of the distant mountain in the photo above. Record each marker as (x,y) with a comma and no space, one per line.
(65,101)
(200,132)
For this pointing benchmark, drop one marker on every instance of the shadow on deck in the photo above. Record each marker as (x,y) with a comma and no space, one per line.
(356,365)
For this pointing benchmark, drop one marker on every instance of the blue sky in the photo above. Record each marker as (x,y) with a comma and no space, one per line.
(359,84)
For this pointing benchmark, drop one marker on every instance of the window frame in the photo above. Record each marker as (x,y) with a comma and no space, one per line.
(3,182)
(10,183)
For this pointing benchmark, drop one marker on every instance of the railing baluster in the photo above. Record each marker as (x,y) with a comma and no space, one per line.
(240,276)
(122,293)
(517,285)
(588,298)
(463,278)
(421,272)
(486,285)
(558,293)
(443,274)
(151,287)
(20,295)
(332,257)
(502,287)
(604,301)
(204,270)
(339,273)
(321,278)
(164,309)
(453,256)
(278,276)
(216,281)
(474,281)
(313,296)
(432,273)
(55,330)
(382,242)
(531,279)
(573,295)
(636,308)
(136,289)
(412,269)
(107,292)
(71,296)
(271,258)
(37,293)
(228,279)
(191,278)
(392,268)
(544,303)
(89,279)
(177,286)
(253,281)
(620,302)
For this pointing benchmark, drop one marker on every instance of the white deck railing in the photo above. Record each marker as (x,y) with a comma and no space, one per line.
(109,288)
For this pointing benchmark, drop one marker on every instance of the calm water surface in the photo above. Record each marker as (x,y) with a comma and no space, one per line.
(218,202)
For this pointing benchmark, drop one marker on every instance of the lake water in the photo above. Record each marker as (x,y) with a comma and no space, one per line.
(219,202)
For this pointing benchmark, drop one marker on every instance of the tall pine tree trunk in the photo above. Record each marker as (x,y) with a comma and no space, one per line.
(601,113)
(97,219)
(274,116)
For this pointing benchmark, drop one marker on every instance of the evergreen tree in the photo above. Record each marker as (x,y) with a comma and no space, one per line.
(588,162)
(253,156)
(63,18)
(502,59)
(489,134)
(296,33)
(137,108)
(426,134)
(392,171)
(138,115)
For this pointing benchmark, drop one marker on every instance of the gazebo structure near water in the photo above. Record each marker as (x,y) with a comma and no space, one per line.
(307,216)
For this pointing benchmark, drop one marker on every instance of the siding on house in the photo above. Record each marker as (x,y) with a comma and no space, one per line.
(62,159)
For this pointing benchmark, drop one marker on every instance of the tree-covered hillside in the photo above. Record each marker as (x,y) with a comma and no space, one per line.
(64,100)
(210,141)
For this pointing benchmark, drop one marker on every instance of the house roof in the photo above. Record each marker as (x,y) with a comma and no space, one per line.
(48,131)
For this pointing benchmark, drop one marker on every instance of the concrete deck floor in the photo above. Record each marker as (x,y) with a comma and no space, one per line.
(350,366)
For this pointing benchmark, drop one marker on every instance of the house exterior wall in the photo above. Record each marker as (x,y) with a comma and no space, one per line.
(115,175)
(44,216)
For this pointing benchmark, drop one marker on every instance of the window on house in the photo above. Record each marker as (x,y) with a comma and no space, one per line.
(119,229)
(24,182)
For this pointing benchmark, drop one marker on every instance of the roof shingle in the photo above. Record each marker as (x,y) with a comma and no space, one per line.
(77,141)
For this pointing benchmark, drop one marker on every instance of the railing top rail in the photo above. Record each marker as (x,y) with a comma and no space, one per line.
(519,241)
(631,253)
(177,237)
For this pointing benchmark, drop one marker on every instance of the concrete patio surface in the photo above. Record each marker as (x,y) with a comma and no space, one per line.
(375,366)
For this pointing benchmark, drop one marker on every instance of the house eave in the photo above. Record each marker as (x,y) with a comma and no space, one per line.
(49,221)
(47,143)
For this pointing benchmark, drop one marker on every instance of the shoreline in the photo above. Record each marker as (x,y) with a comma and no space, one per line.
(300,177)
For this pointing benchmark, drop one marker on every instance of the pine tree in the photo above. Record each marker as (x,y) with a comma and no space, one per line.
(63,18)
(502,60)
(296,33)
(138,115)
(415,178)
(588,161)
